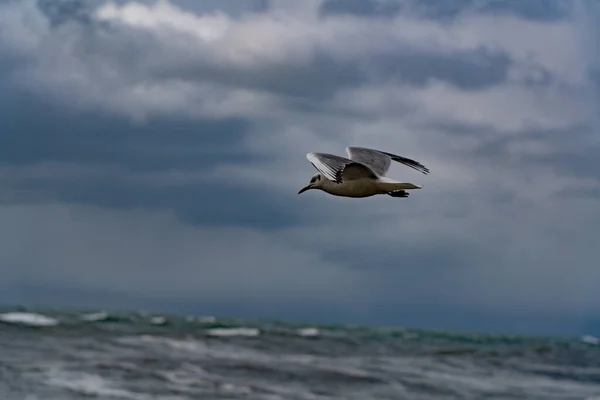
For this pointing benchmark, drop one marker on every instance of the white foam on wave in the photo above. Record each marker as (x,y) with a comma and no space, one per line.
(468,379)
(194,347)
(308,332)
(207,319)
(29,319)
(92,385)
(191,377)
(93,317)
(187,375)
(158,320)
(229,332)
(187,345)
(589,339)
(87,384)
(409,336)
(230,388)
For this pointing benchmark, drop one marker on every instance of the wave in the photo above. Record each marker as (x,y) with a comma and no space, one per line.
(282,361)
(29,319)
(94,317)
(103,316)
(308,332)
(87,384)
(228,332)
(187,345)
(207,319)
(158,320)
(589,339)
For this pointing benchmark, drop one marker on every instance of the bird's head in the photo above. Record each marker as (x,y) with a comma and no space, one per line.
(316,182)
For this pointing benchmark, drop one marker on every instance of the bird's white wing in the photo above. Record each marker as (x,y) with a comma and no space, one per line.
(380,161)
(339,169)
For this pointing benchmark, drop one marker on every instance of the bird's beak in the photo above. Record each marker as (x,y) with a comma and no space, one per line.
(304,189)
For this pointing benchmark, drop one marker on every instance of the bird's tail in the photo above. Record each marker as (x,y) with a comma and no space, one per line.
(391,185)
(406,186)
(394,186)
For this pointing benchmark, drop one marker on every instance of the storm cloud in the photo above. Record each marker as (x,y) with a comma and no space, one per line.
(155,149)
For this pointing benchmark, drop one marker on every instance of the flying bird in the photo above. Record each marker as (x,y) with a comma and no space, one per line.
(362,174)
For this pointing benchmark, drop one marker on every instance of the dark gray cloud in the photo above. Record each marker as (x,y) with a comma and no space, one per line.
(110,162)
(144,254)
(202,204)
(63,11)
(325,76)
(546,10)
(58,135)
(361,8)
(466,69)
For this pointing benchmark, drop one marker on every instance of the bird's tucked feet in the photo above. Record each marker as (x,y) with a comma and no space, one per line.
(398,193)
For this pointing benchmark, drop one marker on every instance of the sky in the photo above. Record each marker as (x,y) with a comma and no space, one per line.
(151,153)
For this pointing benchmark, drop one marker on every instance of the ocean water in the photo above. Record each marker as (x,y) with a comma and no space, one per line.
(61,355)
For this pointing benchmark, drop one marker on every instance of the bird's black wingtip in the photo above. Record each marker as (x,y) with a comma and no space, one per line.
(408,162)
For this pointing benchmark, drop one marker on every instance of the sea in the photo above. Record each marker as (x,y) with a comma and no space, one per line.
(95,354)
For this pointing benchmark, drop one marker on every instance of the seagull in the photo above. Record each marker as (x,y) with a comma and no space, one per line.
(362,174)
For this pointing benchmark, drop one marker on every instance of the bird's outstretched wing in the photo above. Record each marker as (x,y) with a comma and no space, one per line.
(339,169)
(379,161)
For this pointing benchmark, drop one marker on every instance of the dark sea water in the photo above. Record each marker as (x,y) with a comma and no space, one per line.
(74,355)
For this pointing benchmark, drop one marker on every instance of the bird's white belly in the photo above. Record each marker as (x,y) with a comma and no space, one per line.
(355,188)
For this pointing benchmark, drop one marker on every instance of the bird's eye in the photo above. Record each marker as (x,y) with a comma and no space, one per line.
(312,180)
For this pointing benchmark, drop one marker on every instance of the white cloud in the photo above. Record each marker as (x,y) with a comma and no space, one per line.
(162,16)
(170,43)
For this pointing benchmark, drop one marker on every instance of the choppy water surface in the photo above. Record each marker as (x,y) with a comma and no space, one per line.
(67,355)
